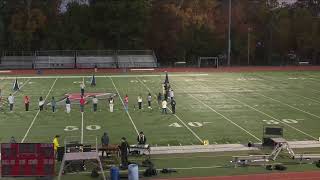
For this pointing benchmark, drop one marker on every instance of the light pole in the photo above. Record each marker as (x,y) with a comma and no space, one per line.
(249,31)
(229,35)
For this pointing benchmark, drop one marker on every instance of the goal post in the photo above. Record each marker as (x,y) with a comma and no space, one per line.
(208,62)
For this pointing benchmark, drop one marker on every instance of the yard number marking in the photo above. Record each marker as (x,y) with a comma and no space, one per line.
(288,121)
(192,124)
(71,128)
(75,128)
(93,127)
(195,124)
(175,125)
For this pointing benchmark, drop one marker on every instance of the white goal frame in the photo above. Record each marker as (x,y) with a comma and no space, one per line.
(213,58)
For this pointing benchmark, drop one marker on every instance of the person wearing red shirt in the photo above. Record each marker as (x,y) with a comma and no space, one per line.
(26,102)
(82,102)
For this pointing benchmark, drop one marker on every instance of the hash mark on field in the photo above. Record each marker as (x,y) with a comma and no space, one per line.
(261,112)
(289,105)
(232,122)
(173,114)
(120,97)
(35,117)
(272,80)
(270,116)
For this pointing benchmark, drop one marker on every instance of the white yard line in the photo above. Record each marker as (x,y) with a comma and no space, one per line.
(288,105)
(270,79)
(272,117)
(82,114)
(35,117)
(123,76)
(232,122)
(174,114)
(120,97)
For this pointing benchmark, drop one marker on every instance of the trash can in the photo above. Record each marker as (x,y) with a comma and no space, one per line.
(133,172)
(114,173)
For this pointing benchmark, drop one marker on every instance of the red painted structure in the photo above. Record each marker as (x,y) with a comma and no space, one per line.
(27,159)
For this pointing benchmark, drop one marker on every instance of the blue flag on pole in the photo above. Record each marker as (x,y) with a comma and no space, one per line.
(166,81)
(15,86)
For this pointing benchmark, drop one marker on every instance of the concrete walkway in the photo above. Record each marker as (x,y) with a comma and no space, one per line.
(225,147)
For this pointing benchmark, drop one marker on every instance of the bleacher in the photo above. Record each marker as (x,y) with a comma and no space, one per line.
(79,59)
(16,62)
(136,61)
(54,62)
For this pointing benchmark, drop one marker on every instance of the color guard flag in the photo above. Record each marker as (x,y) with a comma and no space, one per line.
(93,81)
(15,86)
(166,81)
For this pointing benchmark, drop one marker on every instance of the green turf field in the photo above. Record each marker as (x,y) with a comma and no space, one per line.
(219,107)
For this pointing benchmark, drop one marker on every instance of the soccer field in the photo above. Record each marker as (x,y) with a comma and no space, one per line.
(220,107)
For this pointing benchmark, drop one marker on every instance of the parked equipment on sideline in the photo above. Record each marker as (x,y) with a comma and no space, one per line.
(250,160)
(280,144)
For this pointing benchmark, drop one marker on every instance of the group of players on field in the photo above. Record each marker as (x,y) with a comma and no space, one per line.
(167,96)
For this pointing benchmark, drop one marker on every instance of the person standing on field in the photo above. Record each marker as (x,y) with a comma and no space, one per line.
(171,93)
(164,106)
(11,102)
(141,139)
(104,142)
(140,102)
(41,103)
(126,102)
(82,86)
(95,103)
(111,101)
(159,99)
(149,99)
(56,144)
(173,106)
(53,104)
(124,149)
(82,102)
(68,105)
(26,102)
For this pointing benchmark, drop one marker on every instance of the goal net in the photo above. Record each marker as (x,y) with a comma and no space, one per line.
(208,62)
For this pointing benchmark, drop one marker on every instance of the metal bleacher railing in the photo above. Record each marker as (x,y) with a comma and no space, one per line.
(78,59)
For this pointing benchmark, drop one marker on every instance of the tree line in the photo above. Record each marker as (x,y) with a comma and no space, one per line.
(177,30)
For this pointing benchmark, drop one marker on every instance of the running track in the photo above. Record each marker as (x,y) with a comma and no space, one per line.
(311,175)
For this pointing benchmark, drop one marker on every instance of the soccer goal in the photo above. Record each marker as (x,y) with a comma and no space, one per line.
(208,62)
